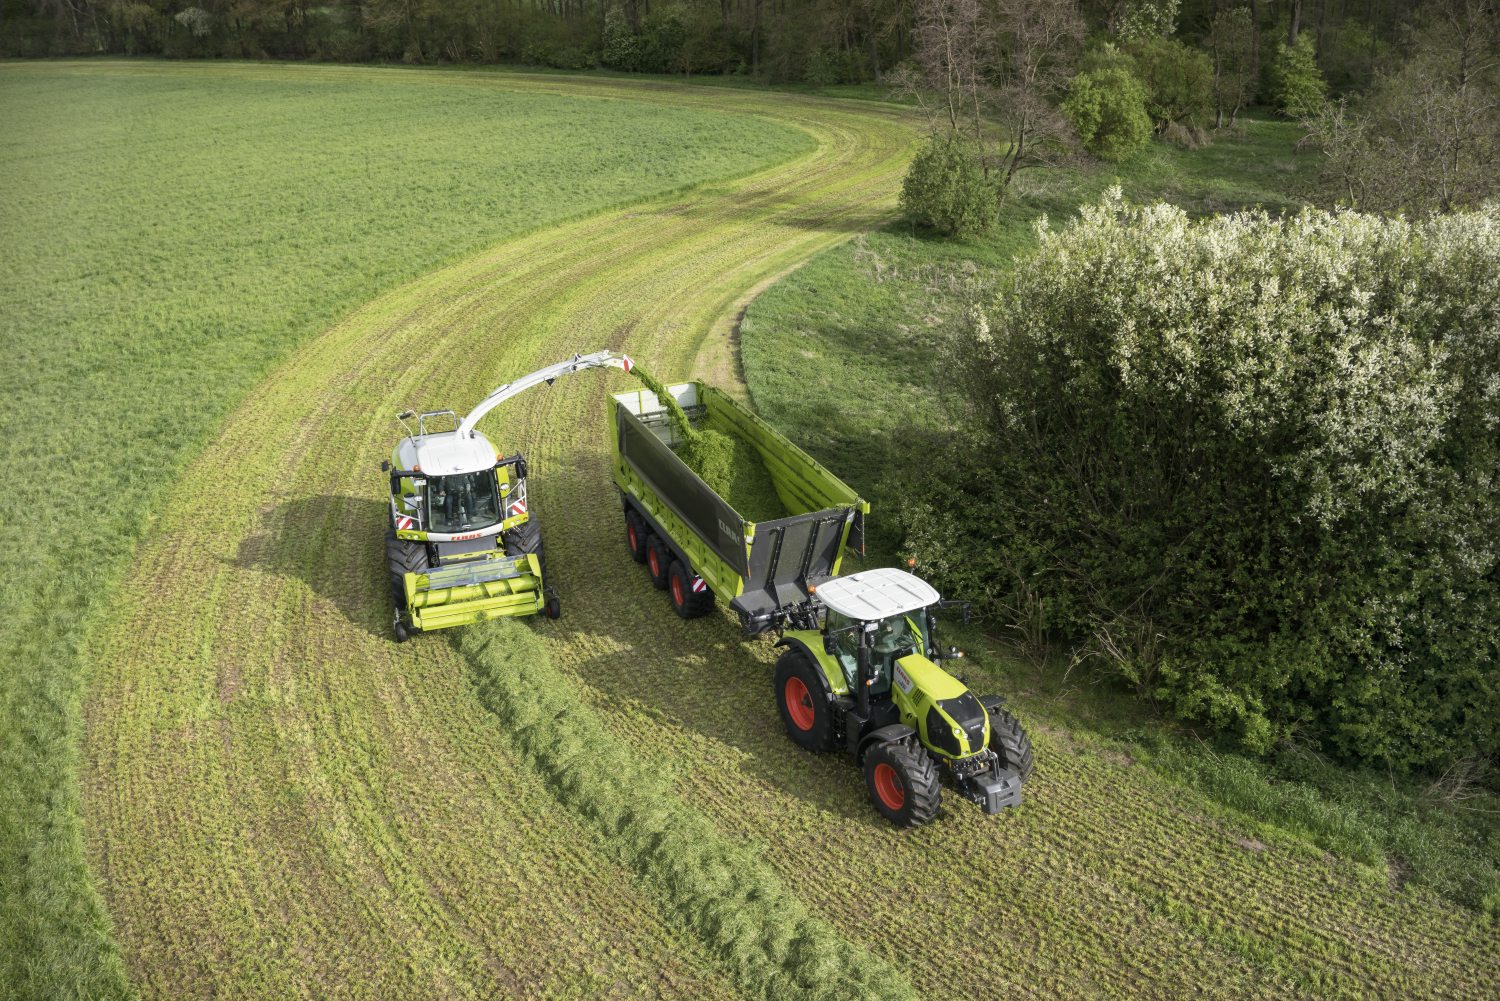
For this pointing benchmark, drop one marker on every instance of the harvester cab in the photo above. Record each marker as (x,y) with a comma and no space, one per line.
(463,544)
(869,682)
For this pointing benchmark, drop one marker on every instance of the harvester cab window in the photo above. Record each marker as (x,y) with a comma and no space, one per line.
(462,503)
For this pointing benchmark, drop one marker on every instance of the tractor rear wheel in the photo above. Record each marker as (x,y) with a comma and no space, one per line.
(688,603)
(802,697)
(1008,738)
(526,538)
(635,536)
(903,782)
(658,561)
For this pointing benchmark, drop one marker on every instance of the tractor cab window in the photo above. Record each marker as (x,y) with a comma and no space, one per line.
(463,503)
(894,638)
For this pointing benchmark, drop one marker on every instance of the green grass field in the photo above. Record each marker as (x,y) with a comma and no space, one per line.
(275,800)
(169,234)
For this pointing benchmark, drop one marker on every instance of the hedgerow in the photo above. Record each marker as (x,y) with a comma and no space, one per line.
(1251,464)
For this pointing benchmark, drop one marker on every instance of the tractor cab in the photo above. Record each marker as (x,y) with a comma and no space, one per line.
(883,611)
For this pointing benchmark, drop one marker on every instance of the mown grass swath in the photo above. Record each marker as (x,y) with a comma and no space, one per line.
(718,887)
(170,232)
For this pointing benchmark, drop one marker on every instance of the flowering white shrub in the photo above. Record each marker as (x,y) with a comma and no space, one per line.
(1252,464)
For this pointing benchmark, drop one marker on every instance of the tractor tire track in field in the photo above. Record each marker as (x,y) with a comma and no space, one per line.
(279,800)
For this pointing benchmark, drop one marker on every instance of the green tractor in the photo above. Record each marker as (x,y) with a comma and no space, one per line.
(462,545)
(861,674)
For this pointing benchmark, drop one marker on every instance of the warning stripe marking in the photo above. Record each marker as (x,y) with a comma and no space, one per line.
(403,523)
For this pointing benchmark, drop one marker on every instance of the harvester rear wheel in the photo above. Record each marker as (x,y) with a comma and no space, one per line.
(903,782)
(635,536)
(658,561)
(1008,738)
(802,697)
(688,603)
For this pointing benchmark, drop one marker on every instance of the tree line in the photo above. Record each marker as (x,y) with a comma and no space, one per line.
(811,41)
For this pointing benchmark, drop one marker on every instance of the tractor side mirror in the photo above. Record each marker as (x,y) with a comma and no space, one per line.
(385,465)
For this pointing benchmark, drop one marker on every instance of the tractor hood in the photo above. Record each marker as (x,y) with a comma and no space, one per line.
(446,454)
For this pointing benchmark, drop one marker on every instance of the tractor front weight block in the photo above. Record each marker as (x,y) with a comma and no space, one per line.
(993,790)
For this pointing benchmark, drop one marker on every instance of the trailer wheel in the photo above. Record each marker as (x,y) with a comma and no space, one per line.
(1008,738)
(658,561)
(802,697)
(635,536)
(903,782)
(688,603)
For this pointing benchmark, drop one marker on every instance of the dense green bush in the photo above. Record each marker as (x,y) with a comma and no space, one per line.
(1179,81)
(946,189)
(1297,85)
(1250,463)
(1108,108)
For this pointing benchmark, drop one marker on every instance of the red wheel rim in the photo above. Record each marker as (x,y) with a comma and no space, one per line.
(677,590)
(655,563)
(630,538)
(888,787)
(799,704)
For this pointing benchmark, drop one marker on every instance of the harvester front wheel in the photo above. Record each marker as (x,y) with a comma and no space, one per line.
(803,700)
(1008,738)
(658,561)
(526,538)
(635,536)
(687,602)
(401,558)
(903,782)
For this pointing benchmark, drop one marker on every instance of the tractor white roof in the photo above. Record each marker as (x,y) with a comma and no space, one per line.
(447,453)
(876,594)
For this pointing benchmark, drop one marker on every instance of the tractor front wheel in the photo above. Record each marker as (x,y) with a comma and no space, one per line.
(635,536)
(802,698)
(903,782)
(1008,738)
(658,561)
(688,603)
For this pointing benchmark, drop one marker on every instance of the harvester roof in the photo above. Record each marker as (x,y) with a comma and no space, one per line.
(877,594)
(447,453)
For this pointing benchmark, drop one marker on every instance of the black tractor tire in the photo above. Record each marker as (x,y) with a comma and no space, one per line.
(1008,737)
(687,603)
(903,783)
(635,536)
(553,607)
(658,561)
(526,538)
(402,557)
(802,697)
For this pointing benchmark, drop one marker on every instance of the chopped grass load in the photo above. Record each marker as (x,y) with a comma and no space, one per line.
(729,464)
